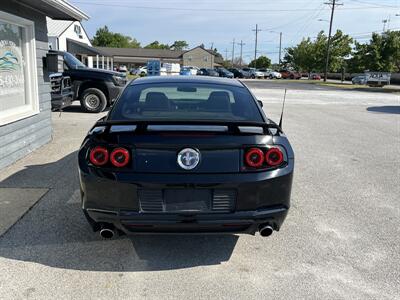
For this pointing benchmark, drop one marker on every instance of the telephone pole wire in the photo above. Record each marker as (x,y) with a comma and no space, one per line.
(255,48)
(334,4)
(241,44)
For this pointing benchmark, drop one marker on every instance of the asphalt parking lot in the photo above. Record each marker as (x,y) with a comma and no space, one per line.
(340,240)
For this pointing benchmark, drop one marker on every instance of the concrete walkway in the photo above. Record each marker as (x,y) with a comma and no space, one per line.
(45,171)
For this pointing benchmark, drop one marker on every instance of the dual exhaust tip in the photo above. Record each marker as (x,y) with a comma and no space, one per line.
(107,231)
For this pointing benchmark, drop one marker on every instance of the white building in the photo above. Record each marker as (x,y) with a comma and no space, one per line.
(59,31)
(71,36)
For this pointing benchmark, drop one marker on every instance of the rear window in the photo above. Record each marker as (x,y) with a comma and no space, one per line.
(186,101)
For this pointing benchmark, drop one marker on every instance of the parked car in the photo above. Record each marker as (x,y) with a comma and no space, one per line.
(122,68)
(193,69)
(94,88)
(185,72)
(238,73)
(208,72)
(264,71)
(360,79)
(230,172)
(271,74)
(254,73)
(378,79)
(224,73)
(288,74)
(141,71)
(315,76)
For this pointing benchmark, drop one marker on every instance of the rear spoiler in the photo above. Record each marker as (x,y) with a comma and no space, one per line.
(233,126)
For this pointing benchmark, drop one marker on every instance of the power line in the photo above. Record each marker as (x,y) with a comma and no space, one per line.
(218,10)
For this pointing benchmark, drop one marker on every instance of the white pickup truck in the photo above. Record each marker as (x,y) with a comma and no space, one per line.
(377,79)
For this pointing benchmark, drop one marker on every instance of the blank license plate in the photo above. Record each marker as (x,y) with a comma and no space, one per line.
(187,200)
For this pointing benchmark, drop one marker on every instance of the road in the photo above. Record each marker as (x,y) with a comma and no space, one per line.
(340,240)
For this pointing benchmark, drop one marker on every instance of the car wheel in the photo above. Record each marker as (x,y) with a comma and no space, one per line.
(253,77)
(291,77)
(93,100)
(271,77)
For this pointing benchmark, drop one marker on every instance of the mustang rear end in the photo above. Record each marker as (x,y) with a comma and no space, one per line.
(185,155)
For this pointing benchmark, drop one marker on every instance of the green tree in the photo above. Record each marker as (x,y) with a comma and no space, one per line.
(310,55)
(261,62)
(179,45)
(105,38)
(381,53)
(302,56)
(157,45)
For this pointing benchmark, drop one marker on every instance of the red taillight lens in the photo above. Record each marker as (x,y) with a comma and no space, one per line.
(254,158)
(120,157)
(98,156)
(274,157)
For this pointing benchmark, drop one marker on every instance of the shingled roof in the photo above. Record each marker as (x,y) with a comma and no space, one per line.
(141,52)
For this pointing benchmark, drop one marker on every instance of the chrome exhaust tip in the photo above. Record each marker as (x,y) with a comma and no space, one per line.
(266,230)
(107,232)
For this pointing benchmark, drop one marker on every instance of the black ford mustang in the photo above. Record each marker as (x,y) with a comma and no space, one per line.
(185,155)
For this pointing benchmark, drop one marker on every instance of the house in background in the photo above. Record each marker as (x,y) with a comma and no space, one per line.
(133,57)
(25,101)
(71,36)
(200,57)
(59,31)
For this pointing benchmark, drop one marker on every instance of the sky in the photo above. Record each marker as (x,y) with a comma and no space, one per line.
(218,22)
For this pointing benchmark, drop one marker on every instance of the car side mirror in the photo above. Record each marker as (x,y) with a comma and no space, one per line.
(260,103)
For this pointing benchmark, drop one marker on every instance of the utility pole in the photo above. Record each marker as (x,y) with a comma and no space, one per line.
(241,44)
(233,51)
(212,46)
(386,22)
(255,48)
(280,47)
(226,54)
(384,25)
(334,4)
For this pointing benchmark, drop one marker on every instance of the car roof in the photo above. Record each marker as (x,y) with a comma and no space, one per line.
(187,79)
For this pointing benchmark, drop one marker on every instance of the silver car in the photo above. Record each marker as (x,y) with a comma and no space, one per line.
(360,79)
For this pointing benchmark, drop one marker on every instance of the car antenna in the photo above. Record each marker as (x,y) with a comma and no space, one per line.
(283,107)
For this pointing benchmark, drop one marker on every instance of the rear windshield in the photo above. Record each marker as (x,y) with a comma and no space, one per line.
(185,101)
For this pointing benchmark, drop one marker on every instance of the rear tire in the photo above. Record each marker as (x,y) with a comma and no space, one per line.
(253,77)
(93,100)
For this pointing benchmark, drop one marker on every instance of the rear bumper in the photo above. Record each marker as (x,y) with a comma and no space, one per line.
(247,222)
(261,198)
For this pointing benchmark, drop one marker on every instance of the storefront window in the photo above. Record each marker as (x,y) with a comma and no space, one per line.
(18,78)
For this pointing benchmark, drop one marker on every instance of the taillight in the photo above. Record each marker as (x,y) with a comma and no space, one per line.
(254,158)
(263,158)
(98,156)
(274,157)
(119,157)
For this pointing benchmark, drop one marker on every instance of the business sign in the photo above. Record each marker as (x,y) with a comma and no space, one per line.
(12,73)
(378,78)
